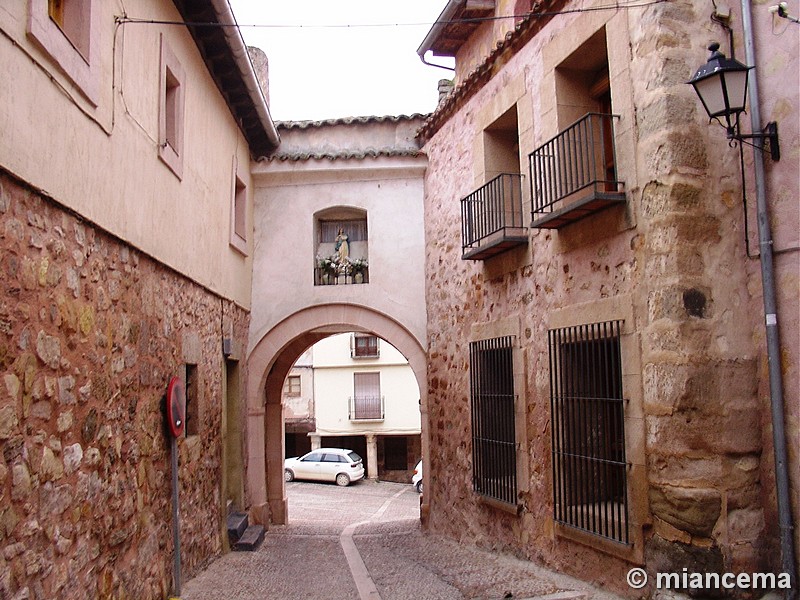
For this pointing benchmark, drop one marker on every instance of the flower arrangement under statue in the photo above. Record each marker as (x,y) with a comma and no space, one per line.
(335,266)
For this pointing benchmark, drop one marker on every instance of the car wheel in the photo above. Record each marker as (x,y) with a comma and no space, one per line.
(342,479)
(418,485)
(288,475)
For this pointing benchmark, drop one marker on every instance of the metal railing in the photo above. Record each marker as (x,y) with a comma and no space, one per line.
(366,408)
(581,158)
(588,429)
(492,210)
(328,277)
(494,448)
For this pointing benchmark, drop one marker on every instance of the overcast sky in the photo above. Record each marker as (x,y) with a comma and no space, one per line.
(328,72)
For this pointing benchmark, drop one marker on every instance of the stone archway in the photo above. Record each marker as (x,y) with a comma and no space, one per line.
(268,364)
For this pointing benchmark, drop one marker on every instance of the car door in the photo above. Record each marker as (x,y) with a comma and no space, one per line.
(331,465)
(309,466)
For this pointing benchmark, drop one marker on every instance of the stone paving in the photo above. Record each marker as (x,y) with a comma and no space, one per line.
(306,559)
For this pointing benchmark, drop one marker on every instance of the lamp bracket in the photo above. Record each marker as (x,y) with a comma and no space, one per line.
(769,134)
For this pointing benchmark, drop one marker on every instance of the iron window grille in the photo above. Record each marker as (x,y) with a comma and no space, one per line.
(574,174)
(494,448)
(588,433)
(366,408)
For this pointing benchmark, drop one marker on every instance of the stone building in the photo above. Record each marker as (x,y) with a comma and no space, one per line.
(126,250)
(598,390)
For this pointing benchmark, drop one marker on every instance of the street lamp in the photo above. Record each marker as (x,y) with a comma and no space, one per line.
(721,84)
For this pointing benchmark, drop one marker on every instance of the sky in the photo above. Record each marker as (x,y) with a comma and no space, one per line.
(324,63)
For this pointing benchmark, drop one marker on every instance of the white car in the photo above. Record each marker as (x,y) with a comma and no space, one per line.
(416,479)
(326,464)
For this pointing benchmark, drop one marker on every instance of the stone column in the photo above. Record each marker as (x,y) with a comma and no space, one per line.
(316,441)
(372,456)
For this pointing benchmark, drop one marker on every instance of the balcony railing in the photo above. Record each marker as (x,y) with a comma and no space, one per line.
(492,218)
(366,408)
(327,277)
(574,174)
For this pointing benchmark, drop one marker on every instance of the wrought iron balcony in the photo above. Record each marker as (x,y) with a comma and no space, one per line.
(574,174)
(366,408)
(491,218)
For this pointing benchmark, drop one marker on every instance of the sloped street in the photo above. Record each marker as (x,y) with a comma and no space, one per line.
(364,542)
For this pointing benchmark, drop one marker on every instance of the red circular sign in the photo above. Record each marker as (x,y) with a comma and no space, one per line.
(176,406)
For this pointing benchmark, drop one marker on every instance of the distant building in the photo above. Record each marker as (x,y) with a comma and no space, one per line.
(365,398)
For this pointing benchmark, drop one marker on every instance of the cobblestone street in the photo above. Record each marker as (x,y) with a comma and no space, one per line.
(364,541)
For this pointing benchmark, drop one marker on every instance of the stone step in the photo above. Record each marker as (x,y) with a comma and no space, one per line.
(237,524)
(251,539)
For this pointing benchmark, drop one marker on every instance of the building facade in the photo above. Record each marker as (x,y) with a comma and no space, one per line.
(339,249)
(598,396)
(365,398)
(126,235)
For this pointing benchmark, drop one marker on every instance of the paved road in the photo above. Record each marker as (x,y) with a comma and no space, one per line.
(364,542)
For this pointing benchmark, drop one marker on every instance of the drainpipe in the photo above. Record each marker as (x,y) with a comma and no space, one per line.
(771,318)
(447,15)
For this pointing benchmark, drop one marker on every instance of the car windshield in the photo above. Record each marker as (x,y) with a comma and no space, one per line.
(354,457)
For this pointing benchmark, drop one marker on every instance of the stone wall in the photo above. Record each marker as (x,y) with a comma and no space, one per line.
(674,255)
(91,330)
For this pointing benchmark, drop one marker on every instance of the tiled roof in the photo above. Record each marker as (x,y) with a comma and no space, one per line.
(348,121)
(515,39)
(344,154)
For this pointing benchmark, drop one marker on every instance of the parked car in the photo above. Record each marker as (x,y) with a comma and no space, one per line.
(416,479)
(326,464)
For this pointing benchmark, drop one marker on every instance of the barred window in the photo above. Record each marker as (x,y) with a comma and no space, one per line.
(588,435)
(494,458)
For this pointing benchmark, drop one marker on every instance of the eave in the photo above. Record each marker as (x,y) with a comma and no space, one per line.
(456,23)
(228,62)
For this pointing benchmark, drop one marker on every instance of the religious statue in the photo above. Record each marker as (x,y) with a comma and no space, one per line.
(342,247)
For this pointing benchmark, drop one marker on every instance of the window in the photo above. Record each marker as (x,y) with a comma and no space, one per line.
(588,437)
(574,174)
(342,252)
(292,385)
(170,128)
(494,461)
(491,216)
(70,16)
(66,30)
(364,346)
(367,402)
(238,237)
(192,400)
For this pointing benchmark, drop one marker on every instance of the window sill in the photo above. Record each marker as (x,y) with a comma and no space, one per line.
(514,509)
(239,244)
(630,552)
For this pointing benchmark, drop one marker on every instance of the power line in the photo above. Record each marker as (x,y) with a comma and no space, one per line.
(625,5)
